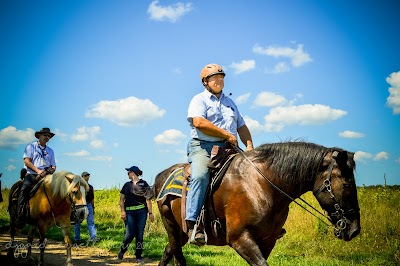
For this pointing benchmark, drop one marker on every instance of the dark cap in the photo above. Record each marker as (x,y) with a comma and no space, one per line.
(42,131)
(85,173)
(134,169)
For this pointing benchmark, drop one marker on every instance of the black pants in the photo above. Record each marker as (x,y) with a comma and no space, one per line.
(28,183)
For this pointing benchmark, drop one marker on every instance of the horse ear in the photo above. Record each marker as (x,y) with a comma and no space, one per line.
(69,176)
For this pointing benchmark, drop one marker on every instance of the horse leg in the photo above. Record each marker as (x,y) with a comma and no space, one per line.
(30,241)
(175,243)
(167,256)
(11,243)
(68,244)
(248,249)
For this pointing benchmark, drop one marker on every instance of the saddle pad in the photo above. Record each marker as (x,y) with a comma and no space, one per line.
(173,185)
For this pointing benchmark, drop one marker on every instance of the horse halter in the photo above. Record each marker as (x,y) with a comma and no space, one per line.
(341,223)
(74,209)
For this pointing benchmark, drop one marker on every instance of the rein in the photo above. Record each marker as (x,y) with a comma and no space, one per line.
(239,150)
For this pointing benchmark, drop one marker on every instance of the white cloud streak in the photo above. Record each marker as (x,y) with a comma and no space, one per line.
(243,66)
(304,115)
(170,137)
(126,112)
(381,156)
(268,99)
(241,99)
(393,100)
(10,137)
(170,13)
(351,134)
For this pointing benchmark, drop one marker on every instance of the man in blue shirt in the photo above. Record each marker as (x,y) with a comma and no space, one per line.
(38,160)
(214,119)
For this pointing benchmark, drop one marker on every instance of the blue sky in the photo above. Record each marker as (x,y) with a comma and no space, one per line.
(113,79)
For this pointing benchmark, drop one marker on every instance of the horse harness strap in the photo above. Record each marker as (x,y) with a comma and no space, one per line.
(341,223)
(284,193)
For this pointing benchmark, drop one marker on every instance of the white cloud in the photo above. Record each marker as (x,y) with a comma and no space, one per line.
(60,135)
(170,13)
(351,134)
(177,71)
(381,156)
(393,100)
(80,153)
(303,115)
(243,66)
(361,156)
(100,158)
(254,126)
(170,136)
(86,133)
(397,160)
(281,67)
(296,56)
(126,112)
(268,99)
(11,167)
(241,99)
(10,137)
(97,144)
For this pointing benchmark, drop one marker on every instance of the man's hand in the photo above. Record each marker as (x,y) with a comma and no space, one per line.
(232,140)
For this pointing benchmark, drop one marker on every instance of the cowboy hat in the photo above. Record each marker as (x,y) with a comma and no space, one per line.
(42,131)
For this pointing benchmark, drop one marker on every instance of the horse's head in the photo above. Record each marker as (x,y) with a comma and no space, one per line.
(336,192)
(77,196)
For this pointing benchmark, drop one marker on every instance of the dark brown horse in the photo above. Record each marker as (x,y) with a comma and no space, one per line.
(60,196)
(252,201)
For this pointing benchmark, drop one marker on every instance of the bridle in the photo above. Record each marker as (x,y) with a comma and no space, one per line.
(341,223)
(74,208)
(339,213)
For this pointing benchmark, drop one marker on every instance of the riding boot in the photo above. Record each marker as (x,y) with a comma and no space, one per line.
(23,198)
(198,238)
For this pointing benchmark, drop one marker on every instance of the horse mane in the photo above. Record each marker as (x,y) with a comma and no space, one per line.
(294,162)
(60,186)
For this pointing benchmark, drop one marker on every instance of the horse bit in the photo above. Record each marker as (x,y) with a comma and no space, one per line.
(341,223)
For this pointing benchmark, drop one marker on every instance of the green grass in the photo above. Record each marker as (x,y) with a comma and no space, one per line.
(307,242)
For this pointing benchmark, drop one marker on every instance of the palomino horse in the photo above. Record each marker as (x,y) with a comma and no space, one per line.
(59,198)
(252,202)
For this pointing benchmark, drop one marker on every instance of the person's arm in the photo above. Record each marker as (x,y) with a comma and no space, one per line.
(30,165)
(122,206)
(150,209)
(245,137)
(210,129)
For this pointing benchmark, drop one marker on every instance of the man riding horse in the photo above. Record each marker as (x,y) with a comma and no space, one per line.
(214,119)
(38,161)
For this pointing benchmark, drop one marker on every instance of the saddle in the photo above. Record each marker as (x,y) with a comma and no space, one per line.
(220,159)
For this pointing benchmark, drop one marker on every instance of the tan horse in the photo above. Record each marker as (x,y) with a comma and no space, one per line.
(60,198)
(251,204)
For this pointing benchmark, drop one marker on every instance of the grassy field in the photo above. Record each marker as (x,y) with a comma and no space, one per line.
(307,242)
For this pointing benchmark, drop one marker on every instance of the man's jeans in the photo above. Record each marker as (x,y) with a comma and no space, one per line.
(90,224)
(134,224)
(198,157)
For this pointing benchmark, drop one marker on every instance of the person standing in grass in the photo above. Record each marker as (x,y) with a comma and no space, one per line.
(90,218)
(135,207)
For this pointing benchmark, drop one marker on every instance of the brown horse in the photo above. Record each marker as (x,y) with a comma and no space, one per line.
(60,197)
(252,202)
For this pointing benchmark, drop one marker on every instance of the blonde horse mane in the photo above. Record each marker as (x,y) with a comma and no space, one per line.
(59,184)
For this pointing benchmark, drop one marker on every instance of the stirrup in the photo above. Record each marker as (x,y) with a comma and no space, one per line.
(192,237)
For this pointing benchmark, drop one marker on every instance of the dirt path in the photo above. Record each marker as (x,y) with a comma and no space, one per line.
(55,254)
